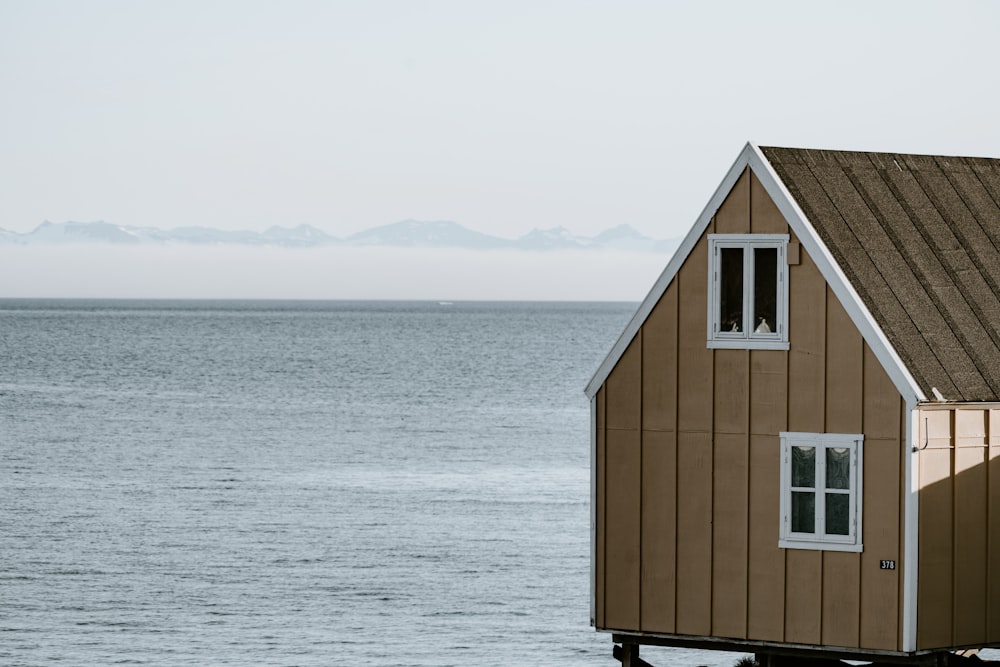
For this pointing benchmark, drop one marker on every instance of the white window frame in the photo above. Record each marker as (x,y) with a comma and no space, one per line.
(819,540)
(747,338)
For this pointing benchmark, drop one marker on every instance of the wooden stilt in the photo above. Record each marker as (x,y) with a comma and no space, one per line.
(628,654)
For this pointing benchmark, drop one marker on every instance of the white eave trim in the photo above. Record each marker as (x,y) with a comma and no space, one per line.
(752,156)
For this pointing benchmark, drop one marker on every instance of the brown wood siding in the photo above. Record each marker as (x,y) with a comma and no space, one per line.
(694,533)
(659,365)
(729,498)
(733,217)
(841,598)
(765,561)
(697,430)
(659,463)
(621,606)
(958,596)
(729,536)
(623,490)
(806,412)
(659,529)
(765,218)
(807,347)
(694,448)
(885,473)
(843,400)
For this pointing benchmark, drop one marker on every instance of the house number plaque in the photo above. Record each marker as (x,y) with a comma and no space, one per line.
(887,565)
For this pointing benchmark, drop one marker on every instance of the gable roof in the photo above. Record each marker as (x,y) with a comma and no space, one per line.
(910,245)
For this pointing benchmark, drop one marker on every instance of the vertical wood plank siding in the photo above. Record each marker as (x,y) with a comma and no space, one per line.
(688,458)
(622,488)
(694,449)
(958,592)
(659,463)
(881,591)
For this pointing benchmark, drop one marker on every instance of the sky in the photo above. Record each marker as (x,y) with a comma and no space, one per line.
(501,116)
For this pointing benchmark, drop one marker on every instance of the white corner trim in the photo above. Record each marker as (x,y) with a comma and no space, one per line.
(593,512)
(911,528)
(835,277)
(673,266)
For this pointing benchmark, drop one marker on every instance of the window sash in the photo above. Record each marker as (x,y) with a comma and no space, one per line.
(740,330)
(796,499)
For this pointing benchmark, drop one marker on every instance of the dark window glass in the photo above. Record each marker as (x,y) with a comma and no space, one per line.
(731,289)
(838,468)
(838,514)
(803,466)
(803,512)
(765,290)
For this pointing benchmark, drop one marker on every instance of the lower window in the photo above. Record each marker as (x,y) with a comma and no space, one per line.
(821,491)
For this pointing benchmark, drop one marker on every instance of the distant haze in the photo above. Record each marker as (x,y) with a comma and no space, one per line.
(234,272)
(436,260)
(406,260)
(407,233)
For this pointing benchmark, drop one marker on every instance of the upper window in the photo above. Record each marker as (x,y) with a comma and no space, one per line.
(748,291)
(821,491)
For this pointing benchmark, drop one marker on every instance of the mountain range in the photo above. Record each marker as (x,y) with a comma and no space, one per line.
(407,233)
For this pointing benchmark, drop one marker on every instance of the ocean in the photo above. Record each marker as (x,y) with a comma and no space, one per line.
(300,483)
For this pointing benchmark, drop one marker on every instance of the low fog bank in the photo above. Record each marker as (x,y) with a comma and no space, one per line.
(96,271)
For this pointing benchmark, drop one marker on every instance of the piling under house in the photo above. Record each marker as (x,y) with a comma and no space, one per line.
(796,439)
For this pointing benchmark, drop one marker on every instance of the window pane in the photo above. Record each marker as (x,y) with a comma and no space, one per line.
(838,519)
(731,289)
(804,466)
(803,512)
(765,290)
(838,468)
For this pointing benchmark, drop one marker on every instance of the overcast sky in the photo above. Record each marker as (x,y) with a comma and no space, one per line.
(502,116)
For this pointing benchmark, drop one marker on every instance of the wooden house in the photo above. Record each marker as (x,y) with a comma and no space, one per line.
(796,439)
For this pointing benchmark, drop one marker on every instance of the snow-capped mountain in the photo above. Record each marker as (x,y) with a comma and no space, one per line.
(625,237)
(77,232)
(555,238)
(301,236)
(407,233)
(427,234)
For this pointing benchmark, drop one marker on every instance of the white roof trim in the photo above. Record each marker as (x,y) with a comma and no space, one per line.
(751,156)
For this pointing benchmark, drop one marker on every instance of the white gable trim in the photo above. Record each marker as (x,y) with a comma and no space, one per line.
(751,156)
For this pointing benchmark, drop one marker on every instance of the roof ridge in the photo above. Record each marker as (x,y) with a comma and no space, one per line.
(892,153)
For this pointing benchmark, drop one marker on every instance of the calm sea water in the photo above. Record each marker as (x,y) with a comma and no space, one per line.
(292,483)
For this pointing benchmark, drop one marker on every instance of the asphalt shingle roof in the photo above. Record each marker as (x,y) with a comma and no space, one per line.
(919,238)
